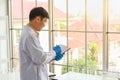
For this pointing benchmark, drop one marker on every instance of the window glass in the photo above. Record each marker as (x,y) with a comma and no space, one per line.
(59,15)
(76,15)
(94,15)
(114,52)
(77,24)
(44,40)
(16,66)
(27,6)
(94,51)
(17,14)
(15,42)
(114,16)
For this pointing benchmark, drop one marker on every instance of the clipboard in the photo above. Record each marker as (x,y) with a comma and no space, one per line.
(66,50)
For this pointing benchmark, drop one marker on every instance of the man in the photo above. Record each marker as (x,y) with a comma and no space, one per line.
(33,58)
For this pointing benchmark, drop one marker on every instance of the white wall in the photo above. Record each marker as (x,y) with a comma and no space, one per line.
(3,37)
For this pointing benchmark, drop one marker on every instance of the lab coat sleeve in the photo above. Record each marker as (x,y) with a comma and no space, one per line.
(36,52)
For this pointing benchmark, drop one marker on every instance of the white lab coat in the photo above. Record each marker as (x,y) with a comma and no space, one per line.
(33,60)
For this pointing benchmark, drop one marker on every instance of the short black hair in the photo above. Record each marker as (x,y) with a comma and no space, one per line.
(38,11)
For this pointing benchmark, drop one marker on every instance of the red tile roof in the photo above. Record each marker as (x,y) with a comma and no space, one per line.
(76,39)
(28,5)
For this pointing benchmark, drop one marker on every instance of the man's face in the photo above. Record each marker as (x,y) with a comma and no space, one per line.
(40,23)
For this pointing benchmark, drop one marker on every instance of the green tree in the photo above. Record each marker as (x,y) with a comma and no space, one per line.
(80,62)
(92,55)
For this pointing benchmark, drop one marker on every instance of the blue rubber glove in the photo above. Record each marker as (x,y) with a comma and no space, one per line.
(58,51)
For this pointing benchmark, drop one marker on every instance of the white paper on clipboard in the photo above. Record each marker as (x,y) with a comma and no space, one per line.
(64,48)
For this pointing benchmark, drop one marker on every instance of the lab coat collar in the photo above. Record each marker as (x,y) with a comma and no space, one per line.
(31,30)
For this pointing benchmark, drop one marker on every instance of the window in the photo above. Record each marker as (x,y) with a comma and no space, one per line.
(90,28)
(82,32)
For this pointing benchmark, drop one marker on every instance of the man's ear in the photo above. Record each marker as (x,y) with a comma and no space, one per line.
(37,19)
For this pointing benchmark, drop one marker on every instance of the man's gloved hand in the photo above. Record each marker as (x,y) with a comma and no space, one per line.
(58,51)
